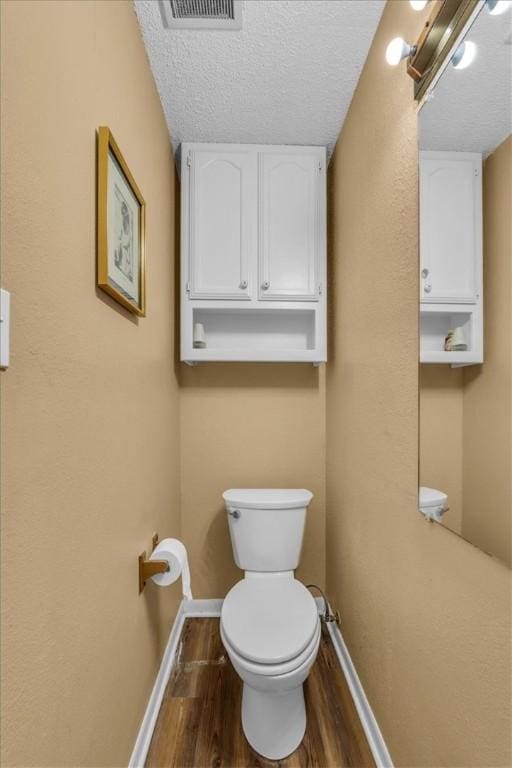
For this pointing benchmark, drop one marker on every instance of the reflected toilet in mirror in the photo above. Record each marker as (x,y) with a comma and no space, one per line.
(465,126)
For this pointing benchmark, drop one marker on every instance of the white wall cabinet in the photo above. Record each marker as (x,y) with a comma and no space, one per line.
(451,254)
(289,232)
(222,222)
(253,252)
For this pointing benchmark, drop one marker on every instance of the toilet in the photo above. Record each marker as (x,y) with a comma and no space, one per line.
(433,503)
(269,623)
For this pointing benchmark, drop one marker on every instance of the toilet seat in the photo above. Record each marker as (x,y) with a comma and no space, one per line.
(270,621)
(273,670)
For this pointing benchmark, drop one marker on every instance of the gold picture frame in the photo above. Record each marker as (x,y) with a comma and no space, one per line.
(121,258)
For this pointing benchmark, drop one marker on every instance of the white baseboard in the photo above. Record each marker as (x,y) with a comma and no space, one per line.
(212,608)
(141,748)
(370,726)
(202,608)
(187,609)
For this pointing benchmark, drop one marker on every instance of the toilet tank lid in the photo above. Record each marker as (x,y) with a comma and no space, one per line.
(267,498)
(431,497)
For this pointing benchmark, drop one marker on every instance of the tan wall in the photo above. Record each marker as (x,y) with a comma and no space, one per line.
(89,405)
(487,453)
(249,425)
(426,616)
(81,647)
(441,423)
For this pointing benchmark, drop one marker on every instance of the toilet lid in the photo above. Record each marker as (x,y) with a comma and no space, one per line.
(267,498)
(269,619)
(431,497)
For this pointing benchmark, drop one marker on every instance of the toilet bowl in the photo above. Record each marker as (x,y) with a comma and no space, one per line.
(433,503)
(269,624)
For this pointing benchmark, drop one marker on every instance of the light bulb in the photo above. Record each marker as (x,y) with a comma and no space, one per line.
(464,55)
(418,5)
(497,7)
(397,50)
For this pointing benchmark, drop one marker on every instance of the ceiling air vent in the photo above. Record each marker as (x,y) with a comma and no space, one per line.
(202,14)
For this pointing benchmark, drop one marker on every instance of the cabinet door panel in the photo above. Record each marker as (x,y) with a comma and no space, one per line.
(450,227)
(222,224)
(289,226)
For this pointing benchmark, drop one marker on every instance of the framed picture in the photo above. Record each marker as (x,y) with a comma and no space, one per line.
(121,228)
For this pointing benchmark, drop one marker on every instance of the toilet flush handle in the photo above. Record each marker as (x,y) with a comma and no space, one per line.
(234,513)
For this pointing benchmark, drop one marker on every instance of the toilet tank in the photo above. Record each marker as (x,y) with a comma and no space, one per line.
(267,526)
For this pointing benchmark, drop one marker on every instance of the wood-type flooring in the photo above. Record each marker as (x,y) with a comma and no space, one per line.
(199,724)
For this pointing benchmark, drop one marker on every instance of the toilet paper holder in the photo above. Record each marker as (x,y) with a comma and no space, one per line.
(148,568)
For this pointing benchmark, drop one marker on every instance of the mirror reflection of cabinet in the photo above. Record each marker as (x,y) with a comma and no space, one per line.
(450,226)
(451,255)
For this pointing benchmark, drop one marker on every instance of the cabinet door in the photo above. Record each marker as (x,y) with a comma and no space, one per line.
(450,226)
(289,210)
(223,223)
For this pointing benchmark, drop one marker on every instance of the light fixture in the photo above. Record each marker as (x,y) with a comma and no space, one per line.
(397,50)
(418,5)
(497,7)
(464,55)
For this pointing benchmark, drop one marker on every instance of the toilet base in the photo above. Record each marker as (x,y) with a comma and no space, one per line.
(274,723)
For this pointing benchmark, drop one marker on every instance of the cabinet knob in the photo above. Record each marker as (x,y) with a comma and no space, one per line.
(424,272)
(265,285)
(243,284)
(427,287)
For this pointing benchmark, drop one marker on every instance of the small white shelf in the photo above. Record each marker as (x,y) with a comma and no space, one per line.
(258,330)
(259,334)
(452,358)
(435,323)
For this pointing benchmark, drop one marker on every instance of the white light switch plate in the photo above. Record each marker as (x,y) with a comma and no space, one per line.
(5,322)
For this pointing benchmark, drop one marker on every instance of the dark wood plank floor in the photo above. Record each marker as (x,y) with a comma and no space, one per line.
(199,723)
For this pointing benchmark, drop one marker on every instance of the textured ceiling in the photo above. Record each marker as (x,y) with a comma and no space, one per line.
(471,109)
(287,77)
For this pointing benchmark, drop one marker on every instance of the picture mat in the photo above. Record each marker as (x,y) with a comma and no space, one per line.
(123,212)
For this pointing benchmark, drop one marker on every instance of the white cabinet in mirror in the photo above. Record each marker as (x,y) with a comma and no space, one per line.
(451,257)
(466,292)
(253,253)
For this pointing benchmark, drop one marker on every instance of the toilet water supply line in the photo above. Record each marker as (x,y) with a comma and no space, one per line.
(327,615)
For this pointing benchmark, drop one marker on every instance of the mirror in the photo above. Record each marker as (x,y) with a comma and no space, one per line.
(465,127)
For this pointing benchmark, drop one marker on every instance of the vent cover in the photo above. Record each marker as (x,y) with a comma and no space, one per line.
(202,14)
(202,9)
